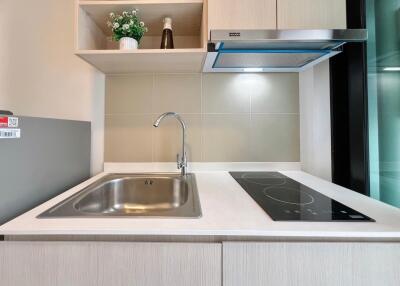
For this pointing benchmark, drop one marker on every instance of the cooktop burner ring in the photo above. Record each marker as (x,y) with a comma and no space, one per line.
(281,181)
(310,200)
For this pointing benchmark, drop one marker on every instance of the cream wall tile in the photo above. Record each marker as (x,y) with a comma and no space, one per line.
(128,138)
(129,94)
(177,92)
(275,138)
(275,93)
(238,121)
(227,93)
(226,137)
(168,139)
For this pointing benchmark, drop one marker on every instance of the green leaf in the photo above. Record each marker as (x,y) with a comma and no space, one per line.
(135,31)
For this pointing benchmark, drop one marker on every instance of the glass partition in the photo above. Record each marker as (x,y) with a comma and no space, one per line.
(383,63)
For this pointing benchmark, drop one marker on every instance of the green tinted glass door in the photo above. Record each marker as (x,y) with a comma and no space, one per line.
(383,24)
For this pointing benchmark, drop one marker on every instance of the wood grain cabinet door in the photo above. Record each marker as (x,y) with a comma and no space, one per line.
(109,263)
(311,264)
(311,14)
(242,14)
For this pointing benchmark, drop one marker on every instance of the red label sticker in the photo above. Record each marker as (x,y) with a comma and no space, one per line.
(3,121)
(9,121)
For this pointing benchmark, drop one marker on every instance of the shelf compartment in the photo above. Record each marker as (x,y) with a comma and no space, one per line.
(187,16)
(93,38)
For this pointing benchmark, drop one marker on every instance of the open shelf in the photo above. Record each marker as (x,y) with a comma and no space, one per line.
(149,60)
(186,15)
(94,44)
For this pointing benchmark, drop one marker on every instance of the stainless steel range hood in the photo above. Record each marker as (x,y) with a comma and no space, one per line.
(275,50)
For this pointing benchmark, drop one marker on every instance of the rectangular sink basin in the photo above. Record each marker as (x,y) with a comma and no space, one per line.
(133,195)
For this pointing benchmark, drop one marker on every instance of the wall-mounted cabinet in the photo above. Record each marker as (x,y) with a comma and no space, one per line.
(311,14)
(277,14)
(192,21)
(242,14)
(94,43)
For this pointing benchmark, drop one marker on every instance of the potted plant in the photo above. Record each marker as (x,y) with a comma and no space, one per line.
(127,29)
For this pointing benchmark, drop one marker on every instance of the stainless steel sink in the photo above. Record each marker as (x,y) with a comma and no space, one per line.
(133,195)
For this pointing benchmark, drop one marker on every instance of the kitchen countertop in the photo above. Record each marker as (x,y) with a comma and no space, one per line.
(227,211)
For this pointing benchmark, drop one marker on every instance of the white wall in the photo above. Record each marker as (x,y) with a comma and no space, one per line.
(315,121)
(39,74)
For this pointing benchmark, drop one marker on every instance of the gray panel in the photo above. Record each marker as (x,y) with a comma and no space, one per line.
(50,157)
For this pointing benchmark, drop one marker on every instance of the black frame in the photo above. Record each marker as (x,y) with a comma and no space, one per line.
(349,108)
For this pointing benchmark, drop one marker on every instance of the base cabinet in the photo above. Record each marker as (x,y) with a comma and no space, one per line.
(311,264)
(116,264)
(78,263)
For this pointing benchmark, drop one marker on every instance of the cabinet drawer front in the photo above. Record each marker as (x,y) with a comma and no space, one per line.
(311,264)
(109,263)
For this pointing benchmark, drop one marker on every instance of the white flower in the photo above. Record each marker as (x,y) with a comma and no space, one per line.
(134,12)
(131,22)
(116,25)
(125,26)
(120,17)
(141,24)
(112,15)
(124,13)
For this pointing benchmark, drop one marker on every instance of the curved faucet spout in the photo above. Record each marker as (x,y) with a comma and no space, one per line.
(182,161)
(174,114)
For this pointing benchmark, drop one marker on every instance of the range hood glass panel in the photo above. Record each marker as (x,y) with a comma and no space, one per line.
(240,59)
(280,45)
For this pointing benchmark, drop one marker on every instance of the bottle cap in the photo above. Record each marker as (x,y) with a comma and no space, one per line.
(167,23)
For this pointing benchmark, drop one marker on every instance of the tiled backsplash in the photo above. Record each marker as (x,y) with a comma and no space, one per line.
(230,117)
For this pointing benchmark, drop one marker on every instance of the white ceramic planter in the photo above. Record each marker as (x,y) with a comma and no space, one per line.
(128,44)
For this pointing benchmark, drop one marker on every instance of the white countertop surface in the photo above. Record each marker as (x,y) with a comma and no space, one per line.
(227,211)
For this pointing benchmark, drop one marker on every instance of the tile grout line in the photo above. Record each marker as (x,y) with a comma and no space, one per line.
(251,107)
(152,109)
(201,119)
(249,142)
(183,113)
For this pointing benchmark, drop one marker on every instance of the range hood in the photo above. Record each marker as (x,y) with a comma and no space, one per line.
(275,50)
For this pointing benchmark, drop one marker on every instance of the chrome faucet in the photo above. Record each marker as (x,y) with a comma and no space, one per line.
(182,160)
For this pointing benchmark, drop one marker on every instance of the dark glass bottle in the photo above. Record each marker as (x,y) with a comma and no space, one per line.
(167,41)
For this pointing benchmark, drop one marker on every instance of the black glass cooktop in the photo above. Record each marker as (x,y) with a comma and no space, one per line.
(284,199)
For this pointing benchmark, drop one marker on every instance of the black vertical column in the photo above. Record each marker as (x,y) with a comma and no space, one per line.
(349,109)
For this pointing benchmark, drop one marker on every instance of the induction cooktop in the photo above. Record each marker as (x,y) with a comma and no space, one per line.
(285,199)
